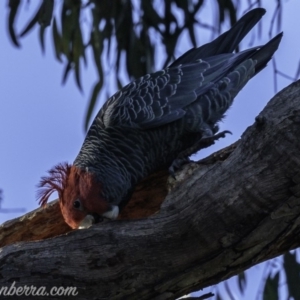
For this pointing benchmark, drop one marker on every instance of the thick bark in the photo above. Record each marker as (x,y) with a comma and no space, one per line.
(221,216)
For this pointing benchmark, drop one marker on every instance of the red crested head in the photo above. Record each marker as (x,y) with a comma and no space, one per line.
(80,195)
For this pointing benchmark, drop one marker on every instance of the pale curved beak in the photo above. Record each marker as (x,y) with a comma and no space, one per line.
(87,222)
(89,219)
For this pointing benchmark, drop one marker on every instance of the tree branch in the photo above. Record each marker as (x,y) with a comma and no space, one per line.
(221,216)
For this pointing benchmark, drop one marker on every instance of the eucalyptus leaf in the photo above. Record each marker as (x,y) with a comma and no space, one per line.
(46,13)
(42,38)
(271,288)
(93,100)
(13,9)
(31,24)
(242,282)
(292,272)
(56,40)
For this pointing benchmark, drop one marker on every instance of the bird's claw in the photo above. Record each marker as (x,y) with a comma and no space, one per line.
(204,142)
(211,139)
(177,164)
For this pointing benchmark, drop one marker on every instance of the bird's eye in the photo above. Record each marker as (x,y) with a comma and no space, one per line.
(76,204)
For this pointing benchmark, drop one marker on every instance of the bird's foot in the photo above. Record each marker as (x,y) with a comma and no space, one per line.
(207,141)
(178,163)
(204,142)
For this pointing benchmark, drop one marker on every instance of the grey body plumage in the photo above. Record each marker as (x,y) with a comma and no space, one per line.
(151,121)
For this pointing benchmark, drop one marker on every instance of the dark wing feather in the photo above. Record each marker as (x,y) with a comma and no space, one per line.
(226,42)
(160,98)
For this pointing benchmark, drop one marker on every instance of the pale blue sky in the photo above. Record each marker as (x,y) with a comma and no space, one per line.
(41,121)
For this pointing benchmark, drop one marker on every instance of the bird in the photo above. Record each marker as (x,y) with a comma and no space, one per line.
(155,122)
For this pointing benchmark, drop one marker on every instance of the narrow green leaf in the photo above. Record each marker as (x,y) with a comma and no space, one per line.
(31,23)
(43,16)
(292,271)
(148,52)
(66,72)
(78,52)
(97,47)
(119,83)
(96,90)
(71,41)
(138,55)
(77,75)
(221,10)
(124,25)
(242,282)
(13,6)
(42,38)
(83,47)
(118,60)
(68,23)
(108,33)
(56,40)
(46,12)
(271,288)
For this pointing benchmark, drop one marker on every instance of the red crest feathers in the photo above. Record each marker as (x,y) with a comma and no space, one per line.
(56,181)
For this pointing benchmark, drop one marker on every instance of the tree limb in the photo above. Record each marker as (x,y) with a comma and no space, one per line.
(220,217)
